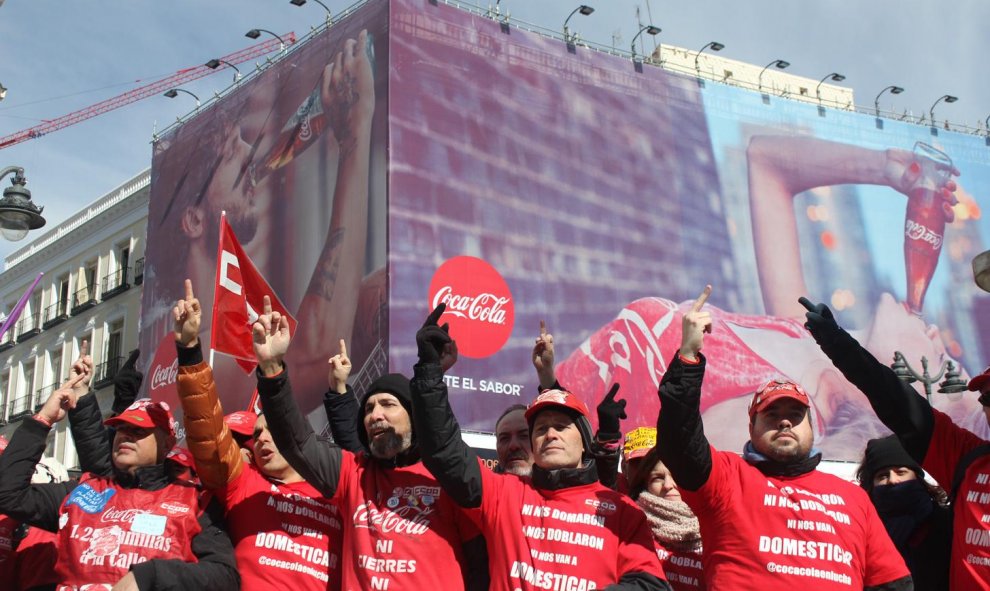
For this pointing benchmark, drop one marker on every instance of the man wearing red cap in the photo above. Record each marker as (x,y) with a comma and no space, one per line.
(559,528)
(956,458)
(769,519)
(137,529)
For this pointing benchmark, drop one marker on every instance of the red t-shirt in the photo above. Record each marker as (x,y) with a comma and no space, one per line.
(582,537)
(286,536)
(404,533)
(814,531)
(8,526)
(969,568)
(683,569)
(104,529)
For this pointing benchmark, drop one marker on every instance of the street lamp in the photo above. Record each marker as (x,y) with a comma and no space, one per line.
(714,46)
(214,63)
(892,89)
(18,214)
(834,76)
(945,97)
(255,33)
(585,10)
(649,30)
(779,64)
(174,92)
(981,270)
(301,2)
(953,383)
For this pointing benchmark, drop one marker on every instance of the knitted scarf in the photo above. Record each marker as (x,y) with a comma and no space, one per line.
(674,525)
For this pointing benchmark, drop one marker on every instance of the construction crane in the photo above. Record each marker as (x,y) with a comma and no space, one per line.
(180,77)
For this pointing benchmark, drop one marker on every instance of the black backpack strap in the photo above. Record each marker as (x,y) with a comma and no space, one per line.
(964,463)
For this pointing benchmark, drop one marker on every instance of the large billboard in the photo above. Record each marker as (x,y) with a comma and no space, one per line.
(530,181)
(295,156)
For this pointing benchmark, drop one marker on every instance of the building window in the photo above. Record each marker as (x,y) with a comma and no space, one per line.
(113,359)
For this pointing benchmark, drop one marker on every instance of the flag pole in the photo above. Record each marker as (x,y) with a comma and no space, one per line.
(21,304)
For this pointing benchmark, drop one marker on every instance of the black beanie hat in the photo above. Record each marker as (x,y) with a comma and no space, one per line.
(395,384)
(881,453)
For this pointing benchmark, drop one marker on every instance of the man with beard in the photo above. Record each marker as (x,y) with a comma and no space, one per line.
(769,519)
(278,522)
(515,454)
(402,532)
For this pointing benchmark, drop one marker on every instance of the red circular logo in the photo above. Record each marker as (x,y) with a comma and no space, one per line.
(480,310)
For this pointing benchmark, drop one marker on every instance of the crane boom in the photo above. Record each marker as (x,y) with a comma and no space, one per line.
(180,77)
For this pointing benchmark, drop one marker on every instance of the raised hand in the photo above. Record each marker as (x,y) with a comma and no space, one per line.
(819,321)
(61,400)
(340,369)
(543,357)
(271,338)
(905,170)
(187,316)
(348,89)
(432,341)
(610,411)
(82,368)
(694,326)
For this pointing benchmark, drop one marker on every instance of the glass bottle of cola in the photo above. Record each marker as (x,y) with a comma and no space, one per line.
(924,222)
(301,130)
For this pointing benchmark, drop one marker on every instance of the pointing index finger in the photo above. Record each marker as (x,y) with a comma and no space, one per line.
(343,348)
(267,305)
(543,328)
(189,290)
(807,304)
(698,303)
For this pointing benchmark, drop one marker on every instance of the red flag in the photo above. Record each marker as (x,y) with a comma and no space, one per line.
(238,299)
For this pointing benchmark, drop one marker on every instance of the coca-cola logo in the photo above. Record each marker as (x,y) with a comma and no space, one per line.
(480,309)
(407,519)
(115,515)
(922,233)
(163,376)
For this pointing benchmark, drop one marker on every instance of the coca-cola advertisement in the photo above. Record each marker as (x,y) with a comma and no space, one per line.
(295,157)
(533,182)
(516,180)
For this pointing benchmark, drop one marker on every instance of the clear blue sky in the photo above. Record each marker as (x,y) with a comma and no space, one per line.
(57,57)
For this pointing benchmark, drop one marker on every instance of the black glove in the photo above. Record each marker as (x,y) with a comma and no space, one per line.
(432,339)
(820,322)
(610,411)
(126,383)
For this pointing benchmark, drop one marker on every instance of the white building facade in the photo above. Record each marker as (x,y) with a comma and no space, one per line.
(90,291)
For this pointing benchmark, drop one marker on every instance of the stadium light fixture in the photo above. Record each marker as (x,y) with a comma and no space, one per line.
(18,214)
(649,30)
(945,97)
(779,64)
(329,14)
(214,63)
(174,92)
(255,33)
(893,90)
(585,10)
(714,46)
(834,77)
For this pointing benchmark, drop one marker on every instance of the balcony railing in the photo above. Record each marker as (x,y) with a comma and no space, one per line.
(28,326)
(83,300)
(21,406)
(139,271)
(105,372)
(7,340)
(54,314)
(115,283)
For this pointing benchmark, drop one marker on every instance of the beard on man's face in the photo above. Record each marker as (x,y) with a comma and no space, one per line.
(389,444)
(243,223)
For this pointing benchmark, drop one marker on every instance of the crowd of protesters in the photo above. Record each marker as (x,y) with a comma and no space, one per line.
(397,500)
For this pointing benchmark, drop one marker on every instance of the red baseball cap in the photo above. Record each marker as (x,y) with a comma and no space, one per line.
(979,382)
(556,398)
(241,422)
(773,391)
(146,414)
